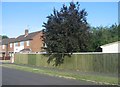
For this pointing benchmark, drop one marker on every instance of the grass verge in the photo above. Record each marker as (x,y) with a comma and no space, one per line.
(91,78)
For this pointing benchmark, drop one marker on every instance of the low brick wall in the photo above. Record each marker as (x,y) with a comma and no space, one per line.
(5,58)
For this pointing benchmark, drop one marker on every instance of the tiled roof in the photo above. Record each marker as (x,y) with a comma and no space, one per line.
(8,40)
(25,50)
(25,38)
(20,38)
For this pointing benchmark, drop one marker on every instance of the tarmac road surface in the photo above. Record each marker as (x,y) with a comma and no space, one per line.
(18,77)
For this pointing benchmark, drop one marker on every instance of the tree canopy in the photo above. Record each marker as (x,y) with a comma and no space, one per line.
(104,35)
(4,36)
(66,31)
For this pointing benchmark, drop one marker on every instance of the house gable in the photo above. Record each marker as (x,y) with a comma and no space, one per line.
(37,42)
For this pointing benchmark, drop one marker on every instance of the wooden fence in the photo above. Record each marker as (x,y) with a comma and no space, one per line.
(90,62)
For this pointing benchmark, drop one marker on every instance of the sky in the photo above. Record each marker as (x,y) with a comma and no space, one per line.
(17,16)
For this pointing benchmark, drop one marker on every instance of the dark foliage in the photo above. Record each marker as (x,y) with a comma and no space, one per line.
(66,31)
(4,36)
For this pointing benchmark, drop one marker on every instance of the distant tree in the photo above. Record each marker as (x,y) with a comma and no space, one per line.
(114,31)
(66,31)
(4,36)
(104,35)
(118,32)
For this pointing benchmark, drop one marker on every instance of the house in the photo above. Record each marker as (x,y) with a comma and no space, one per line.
(28,42)
(111,47)
(7,47)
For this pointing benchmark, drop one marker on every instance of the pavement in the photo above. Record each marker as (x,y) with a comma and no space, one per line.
(18,77)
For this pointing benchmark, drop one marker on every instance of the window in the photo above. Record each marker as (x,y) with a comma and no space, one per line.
(3,46)
(10,45)
(16,44)
(21,43)
(28,43)
(44,45)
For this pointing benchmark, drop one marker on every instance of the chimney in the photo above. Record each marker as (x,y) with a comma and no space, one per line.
(26,32)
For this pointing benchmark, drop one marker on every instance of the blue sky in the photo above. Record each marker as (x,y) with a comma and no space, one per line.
(17,15)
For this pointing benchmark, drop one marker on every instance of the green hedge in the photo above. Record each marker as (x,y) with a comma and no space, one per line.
(106,63)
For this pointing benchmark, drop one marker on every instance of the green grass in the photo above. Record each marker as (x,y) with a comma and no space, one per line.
(91,78)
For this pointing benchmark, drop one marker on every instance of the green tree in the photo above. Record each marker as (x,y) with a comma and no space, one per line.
(4,36)
(66,31)
(104,35)
(118,32)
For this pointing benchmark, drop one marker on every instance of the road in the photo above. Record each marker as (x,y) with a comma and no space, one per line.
(17,77)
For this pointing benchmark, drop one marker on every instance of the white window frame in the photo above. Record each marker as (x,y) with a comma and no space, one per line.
(45,45)
(3,46)
(16,44)
(27,43)
(10,45)
(22,43)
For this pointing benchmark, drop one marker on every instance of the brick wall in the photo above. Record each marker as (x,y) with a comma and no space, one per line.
(11,48)
(37,43)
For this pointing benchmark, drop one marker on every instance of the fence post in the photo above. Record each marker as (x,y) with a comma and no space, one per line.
(76,61)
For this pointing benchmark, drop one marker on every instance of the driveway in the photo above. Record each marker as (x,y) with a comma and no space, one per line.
(17,77)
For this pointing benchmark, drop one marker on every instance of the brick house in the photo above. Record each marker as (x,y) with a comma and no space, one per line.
(7,47)
(29,42)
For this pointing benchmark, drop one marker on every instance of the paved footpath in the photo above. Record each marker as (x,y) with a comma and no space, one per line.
(17,77)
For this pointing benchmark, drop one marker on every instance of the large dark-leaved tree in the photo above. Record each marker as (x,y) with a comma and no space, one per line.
(66,31)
